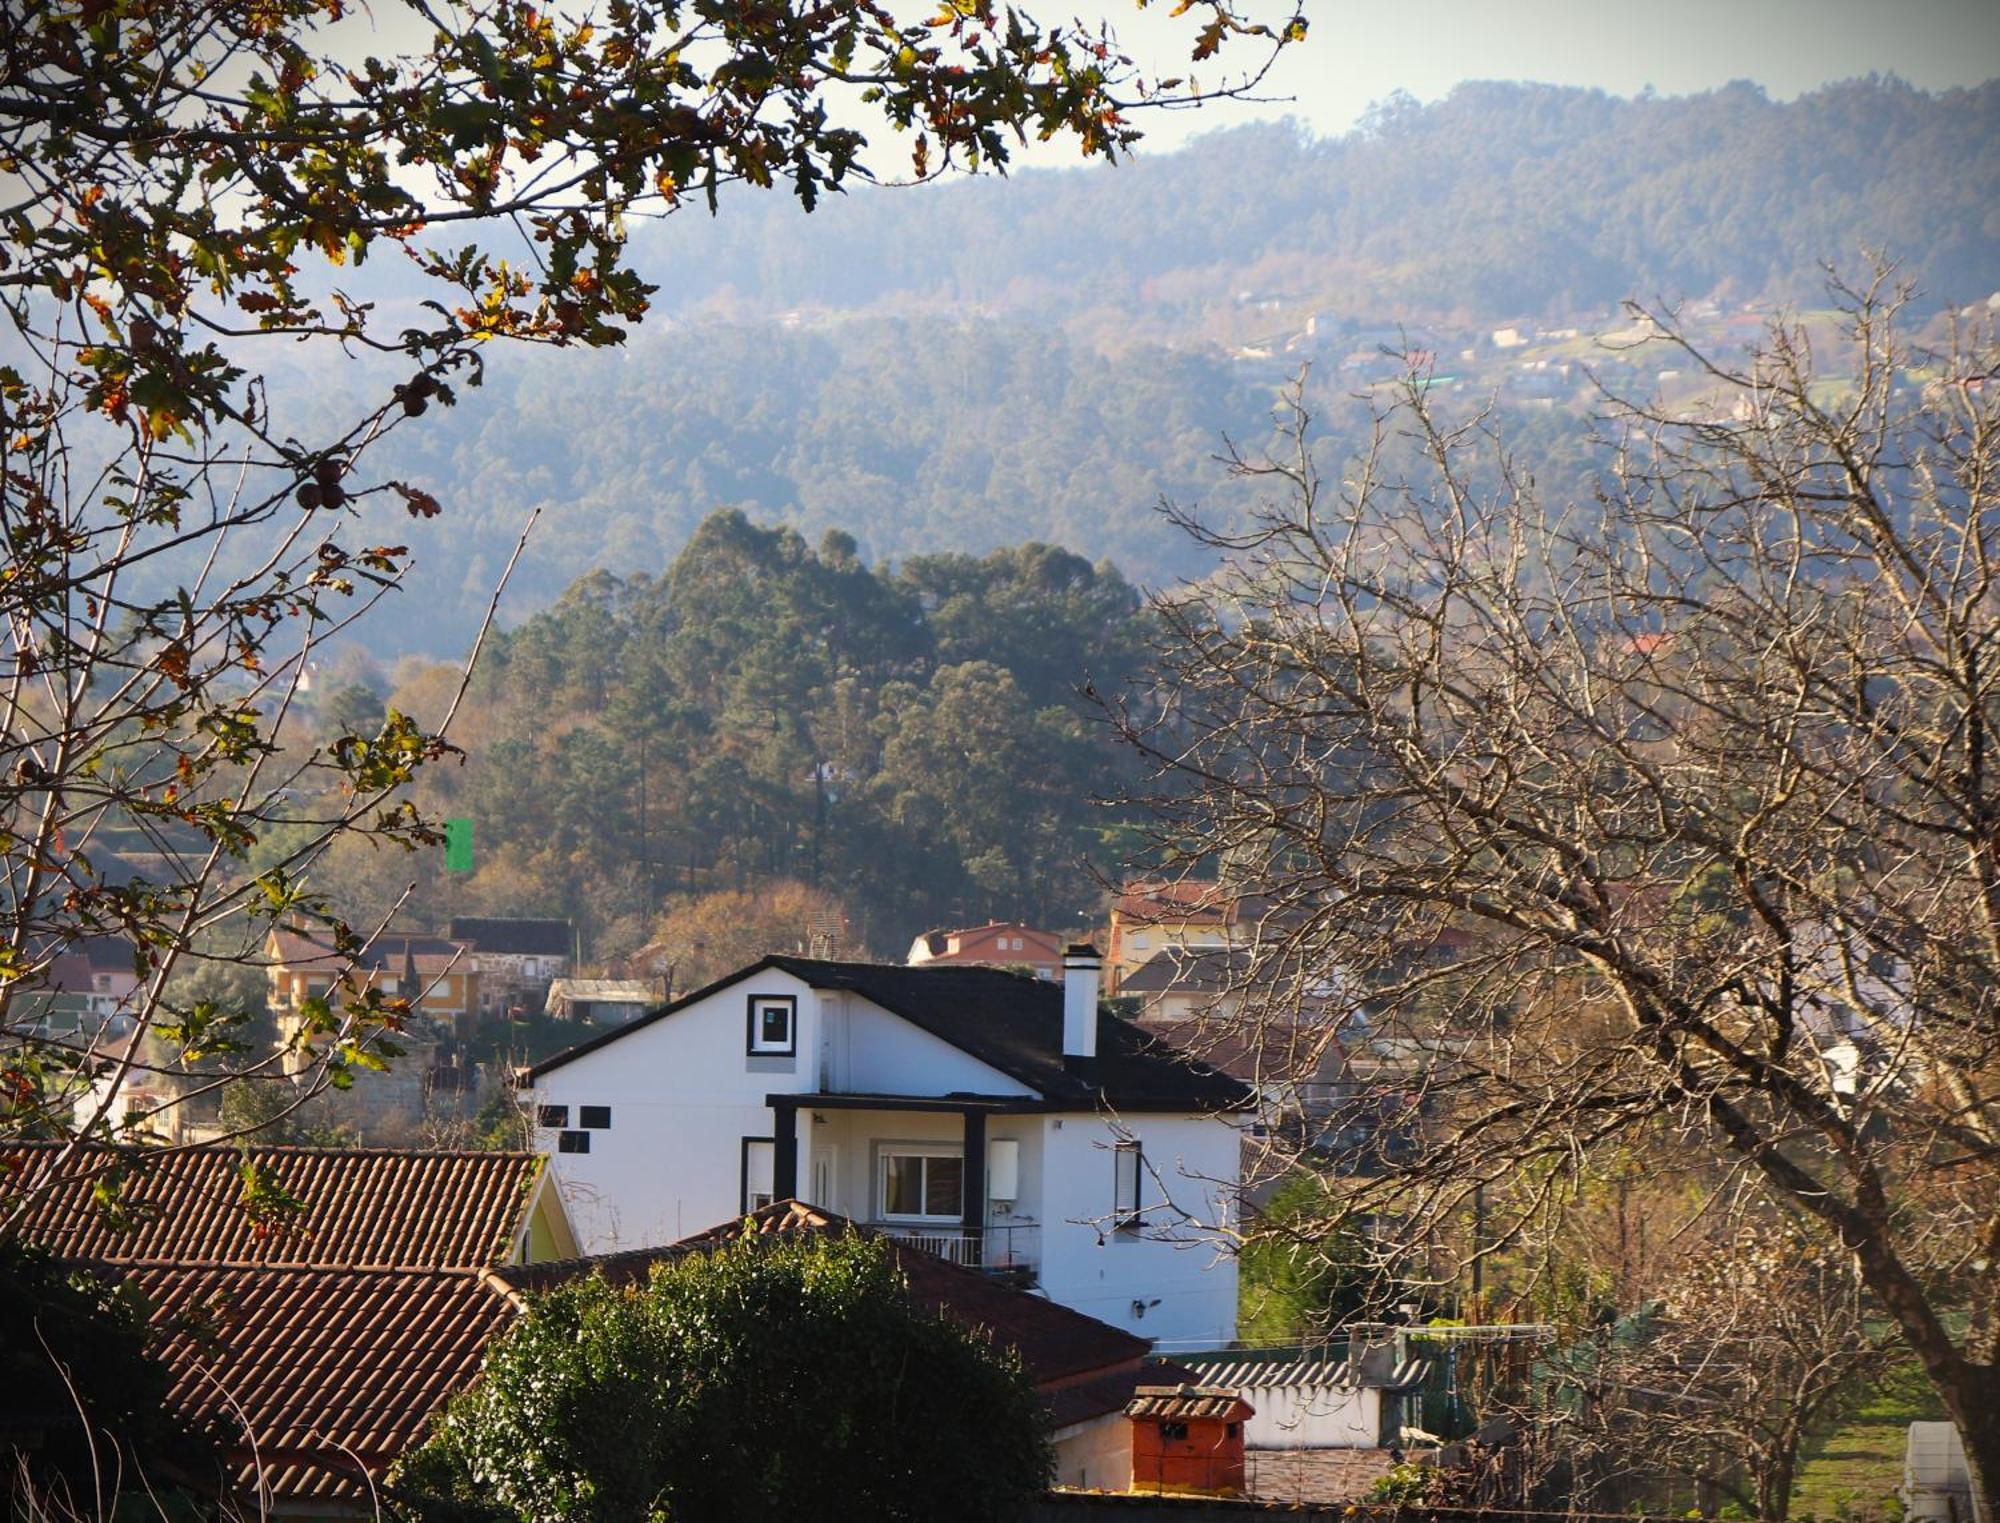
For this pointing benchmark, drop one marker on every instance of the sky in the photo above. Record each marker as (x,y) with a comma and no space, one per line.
(1359,53)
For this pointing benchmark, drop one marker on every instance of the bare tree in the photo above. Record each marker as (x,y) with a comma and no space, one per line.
(1717,1380)
(1674,808)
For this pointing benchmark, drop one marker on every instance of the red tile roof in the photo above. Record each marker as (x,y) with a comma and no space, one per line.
(316,1379)
(1056,1344)
(362,1207)
(324,1344)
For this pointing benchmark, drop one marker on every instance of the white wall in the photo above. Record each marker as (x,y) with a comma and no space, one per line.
(1087,1263)
(1095,1455)
(683,1094)
(1313,1417)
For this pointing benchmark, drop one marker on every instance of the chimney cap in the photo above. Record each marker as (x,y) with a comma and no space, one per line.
(1081,951)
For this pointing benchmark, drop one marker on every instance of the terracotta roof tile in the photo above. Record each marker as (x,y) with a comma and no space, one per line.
(315,1379)
(363,1207)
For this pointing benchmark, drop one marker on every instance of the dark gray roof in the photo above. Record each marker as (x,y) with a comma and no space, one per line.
(1010,1021)
(522,937)
(1190,970)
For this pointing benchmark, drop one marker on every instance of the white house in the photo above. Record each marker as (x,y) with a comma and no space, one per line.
(998,1120)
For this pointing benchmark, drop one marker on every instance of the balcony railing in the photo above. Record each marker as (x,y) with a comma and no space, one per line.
(1013,1251)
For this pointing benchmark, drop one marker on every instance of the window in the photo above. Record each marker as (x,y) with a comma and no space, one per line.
(760,1166)
(1173,1430)
(594,1118)
(552,1115)
(922,1184)
(573,1142)
(774,1021)
(1127,1167)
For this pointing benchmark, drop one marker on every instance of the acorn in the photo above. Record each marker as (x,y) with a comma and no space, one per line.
(327,469)
(310,496)
(332,495)
(414,406)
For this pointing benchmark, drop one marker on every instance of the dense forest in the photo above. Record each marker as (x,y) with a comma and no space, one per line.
(1502,199)
(910,745)
(1046,357)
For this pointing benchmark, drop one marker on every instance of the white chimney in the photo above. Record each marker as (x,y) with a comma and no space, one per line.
(1081,962)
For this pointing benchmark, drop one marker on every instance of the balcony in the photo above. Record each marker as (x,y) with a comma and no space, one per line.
(1011,1252)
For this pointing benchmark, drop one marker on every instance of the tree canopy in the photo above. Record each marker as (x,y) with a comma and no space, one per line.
(772,1377)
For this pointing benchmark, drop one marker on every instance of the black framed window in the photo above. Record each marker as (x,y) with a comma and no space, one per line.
(760,1169)
(773,1026)
(594,1118)
(573,1142)
(552,1115)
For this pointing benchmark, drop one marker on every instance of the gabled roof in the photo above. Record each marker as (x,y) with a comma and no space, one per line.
(1010,1021)
(318,1378)
(1056,1345)
(1191,970)
(514,935)
(319,1345)
(362,1207)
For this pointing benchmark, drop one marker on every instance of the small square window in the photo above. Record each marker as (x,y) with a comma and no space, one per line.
(552,1115)
(594,1118)
(773,1025)
(573,1142)
(1173,1430)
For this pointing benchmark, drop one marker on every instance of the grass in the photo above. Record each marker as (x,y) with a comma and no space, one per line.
(1853,1469)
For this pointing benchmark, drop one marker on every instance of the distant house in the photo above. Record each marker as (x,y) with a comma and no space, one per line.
(1086,1370)
(997,944)
(602,1001)
(516,958)
(1152,913)
(993,1118)
(434,973)
(318,1343)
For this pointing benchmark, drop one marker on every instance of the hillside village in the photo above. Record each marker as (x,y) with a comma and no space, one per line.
(770,761)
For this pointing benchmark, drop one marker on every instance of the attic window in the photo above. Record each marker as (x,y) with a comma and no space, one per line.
(773,1026)
(552,1115)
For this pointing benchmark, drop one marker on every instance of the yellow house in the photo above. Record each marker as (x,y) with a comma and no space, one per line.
(1152,915)
(435,974)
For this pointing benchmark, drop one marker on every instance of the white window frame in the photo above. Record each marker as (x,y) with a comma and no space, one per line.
(757,1154)
(755,1042)
(1128,1183)
(884,1151)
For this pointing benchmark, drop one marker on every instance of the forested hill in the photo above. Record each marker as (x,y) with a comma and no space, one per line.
(1503,199)
(1044,358)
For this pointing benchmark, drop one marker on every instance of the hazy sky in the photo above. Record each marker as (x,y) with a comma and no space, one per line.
(1361,52)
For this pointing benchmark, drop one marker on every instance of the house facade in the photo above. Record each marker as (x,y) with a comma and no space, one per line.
(997,944)
(434,973)
(517,958)
(997,1120)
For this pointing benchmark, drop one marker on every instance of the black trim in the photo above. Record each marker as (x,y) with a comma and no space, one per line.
(972,1208)
(785,1147)
(743,1173)
(751,1007)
